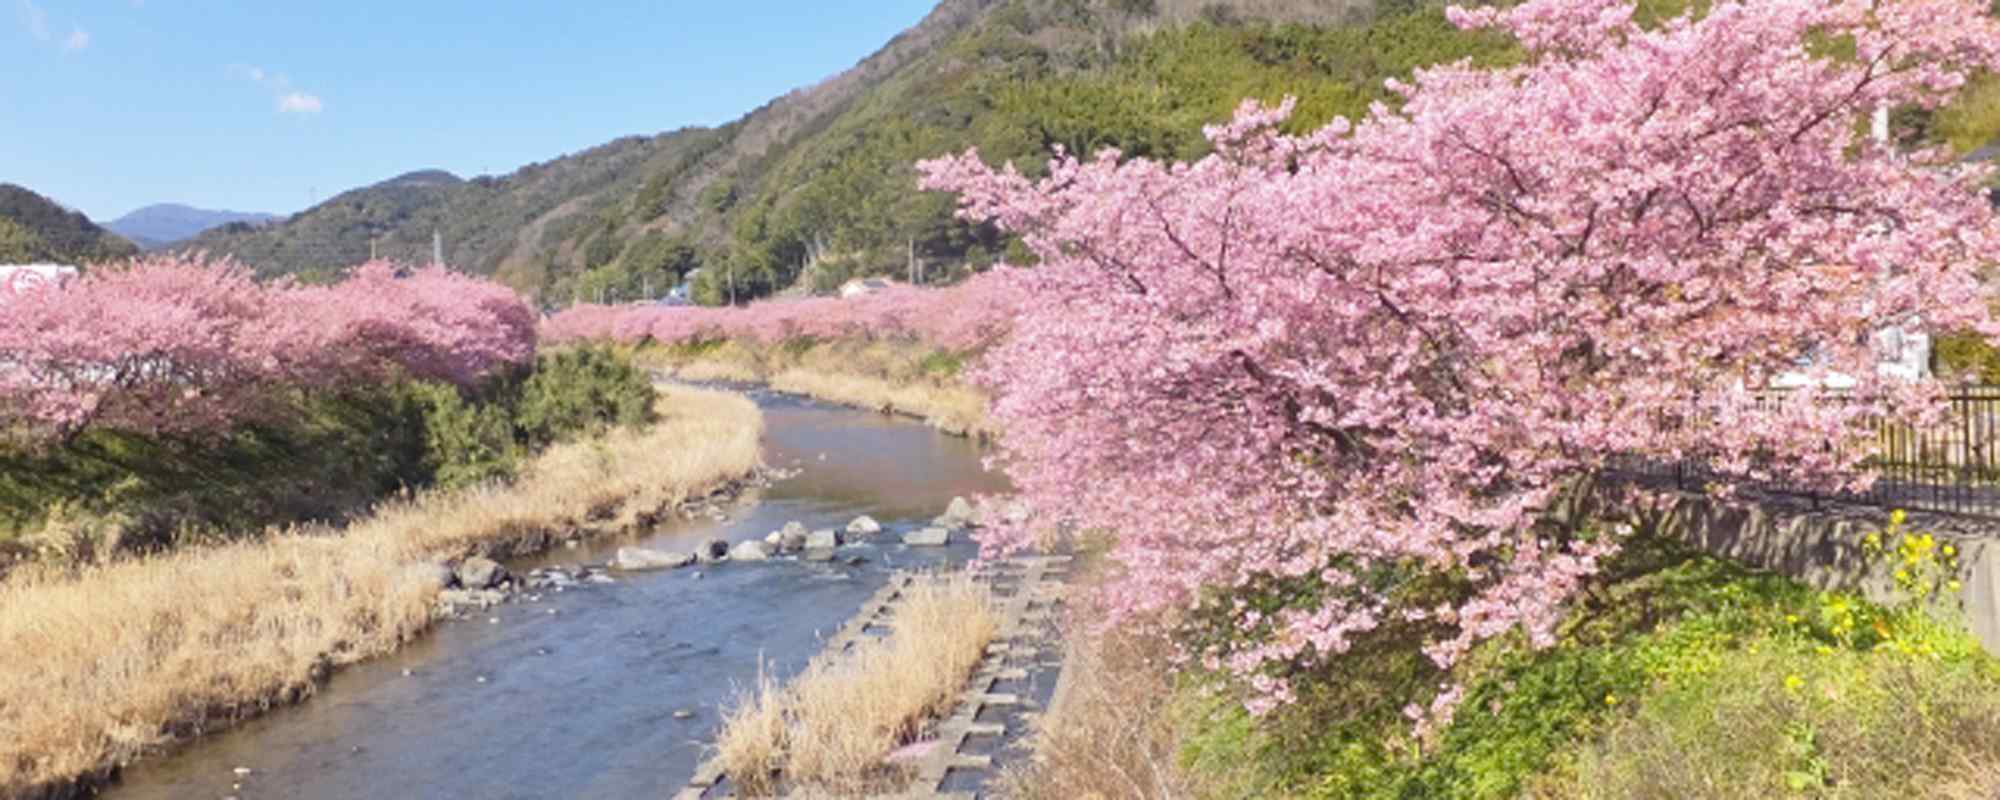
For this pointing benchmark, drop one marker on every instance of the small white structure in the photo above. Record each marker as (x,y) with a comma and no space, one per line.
(23,274)
(1901,353)
(861,286)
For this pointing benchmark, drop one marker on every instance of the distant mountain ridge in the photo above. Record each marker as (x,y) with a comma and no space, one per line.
(164,224)
(35,229)
(818,185)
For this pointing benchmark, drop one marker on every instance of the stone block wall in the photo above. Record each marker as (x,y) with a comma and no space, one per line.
(1820,546)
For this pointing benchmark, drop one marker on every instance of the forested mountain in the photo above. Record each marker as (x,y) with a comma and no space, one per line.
(164,224)
(36,229)
(819,185)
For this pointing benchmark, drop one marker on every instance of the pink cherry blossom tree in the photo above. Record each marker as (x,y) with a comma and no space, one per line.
(179,344)
(964,316)
(1369,358)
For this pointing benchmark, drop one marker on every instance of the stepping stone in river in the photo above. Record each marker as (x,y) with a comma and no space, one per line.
(928,537)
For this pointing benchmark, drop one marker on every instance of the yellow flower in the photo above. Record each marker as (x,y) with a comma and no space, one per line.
(1610,699)
(1791,619)
(1950,551)
(1953,585)
(1897,516)
(1902,575)
(1794,682)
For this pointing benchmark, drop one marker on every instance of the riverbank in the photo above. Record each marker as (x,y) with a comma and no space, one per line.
(132,657)
(1681,675)
(901,377)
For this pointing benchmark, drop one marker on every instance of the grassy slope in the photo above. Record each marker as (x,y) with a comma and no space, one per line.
(123,663)
(1682,676)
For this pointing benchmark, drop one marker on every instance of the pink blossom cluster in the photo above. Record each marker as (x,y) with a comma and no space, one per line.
(1386,347)
(963,316)
(177,344)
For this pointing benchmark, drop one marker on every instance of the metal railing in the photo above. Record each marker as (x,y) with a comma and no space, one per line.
(1952,467)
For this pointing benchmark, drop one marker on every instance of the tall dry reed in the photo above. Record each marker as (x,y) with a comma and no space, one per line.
(828,732)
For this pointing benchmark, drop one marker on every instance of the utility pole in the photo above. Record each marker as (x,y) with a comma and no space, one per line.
(732,283)
(437,248)
(649,288)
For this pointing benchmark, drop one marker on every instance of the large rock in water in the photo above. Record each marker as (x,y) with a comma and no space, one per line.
(791,541)
(712,551)
(459,599)
(823,539)
(752,550)
(481,573)
(793,528)
(637,559)
(957,515)
(928,537)
(864,526)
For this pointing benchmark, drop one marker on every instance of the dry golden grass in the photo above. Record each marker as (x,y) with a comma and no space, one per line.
(947,407)
(1110,732)
(753,737)
(100,666)
(723,361)
(889,376)
(827,732)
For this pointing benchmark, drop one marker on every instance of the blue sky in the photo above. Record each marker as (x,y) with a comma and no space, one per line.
(108,105)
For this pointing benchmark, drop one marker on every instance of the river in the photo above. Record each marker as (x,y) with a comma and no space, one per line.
(583,702)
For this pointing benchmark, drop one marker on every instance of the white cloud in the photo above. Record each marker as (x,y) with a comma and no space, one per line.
(289,100)
(35,19)
(299,103)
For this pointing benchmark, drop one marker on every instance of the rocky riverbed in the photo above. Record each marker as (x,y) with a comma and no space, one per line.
(619,691)
(478,584)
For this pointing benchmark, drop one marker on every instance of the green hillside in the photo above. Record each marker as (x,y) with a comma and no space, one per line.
(818,186)
(34,229)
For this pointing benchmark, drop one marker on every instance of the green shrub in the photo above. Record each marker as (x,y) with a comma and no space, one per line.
(943,363)
(1966,357)
(465,442)
(1680,675)
(318,458)
(581,390)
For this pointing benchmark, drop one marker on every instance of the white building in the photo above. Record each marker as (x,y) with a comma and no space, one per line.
(1901,353)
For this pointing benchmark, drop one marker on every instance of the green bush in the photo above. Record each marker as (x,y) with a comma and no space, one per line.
(465,442)
(1680,675)
(1966,357)
(319,457)
(582,390)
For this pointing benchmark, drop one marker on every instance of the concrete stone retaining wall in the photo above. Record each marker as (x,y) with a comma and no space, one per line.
(1820,546)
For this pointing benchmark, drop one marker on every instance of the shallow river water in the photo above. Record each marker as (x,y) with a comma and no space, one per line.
(581,703)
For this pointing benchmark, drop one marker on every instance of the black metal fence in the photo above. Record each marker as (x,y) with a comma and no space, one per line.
(1952,467)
